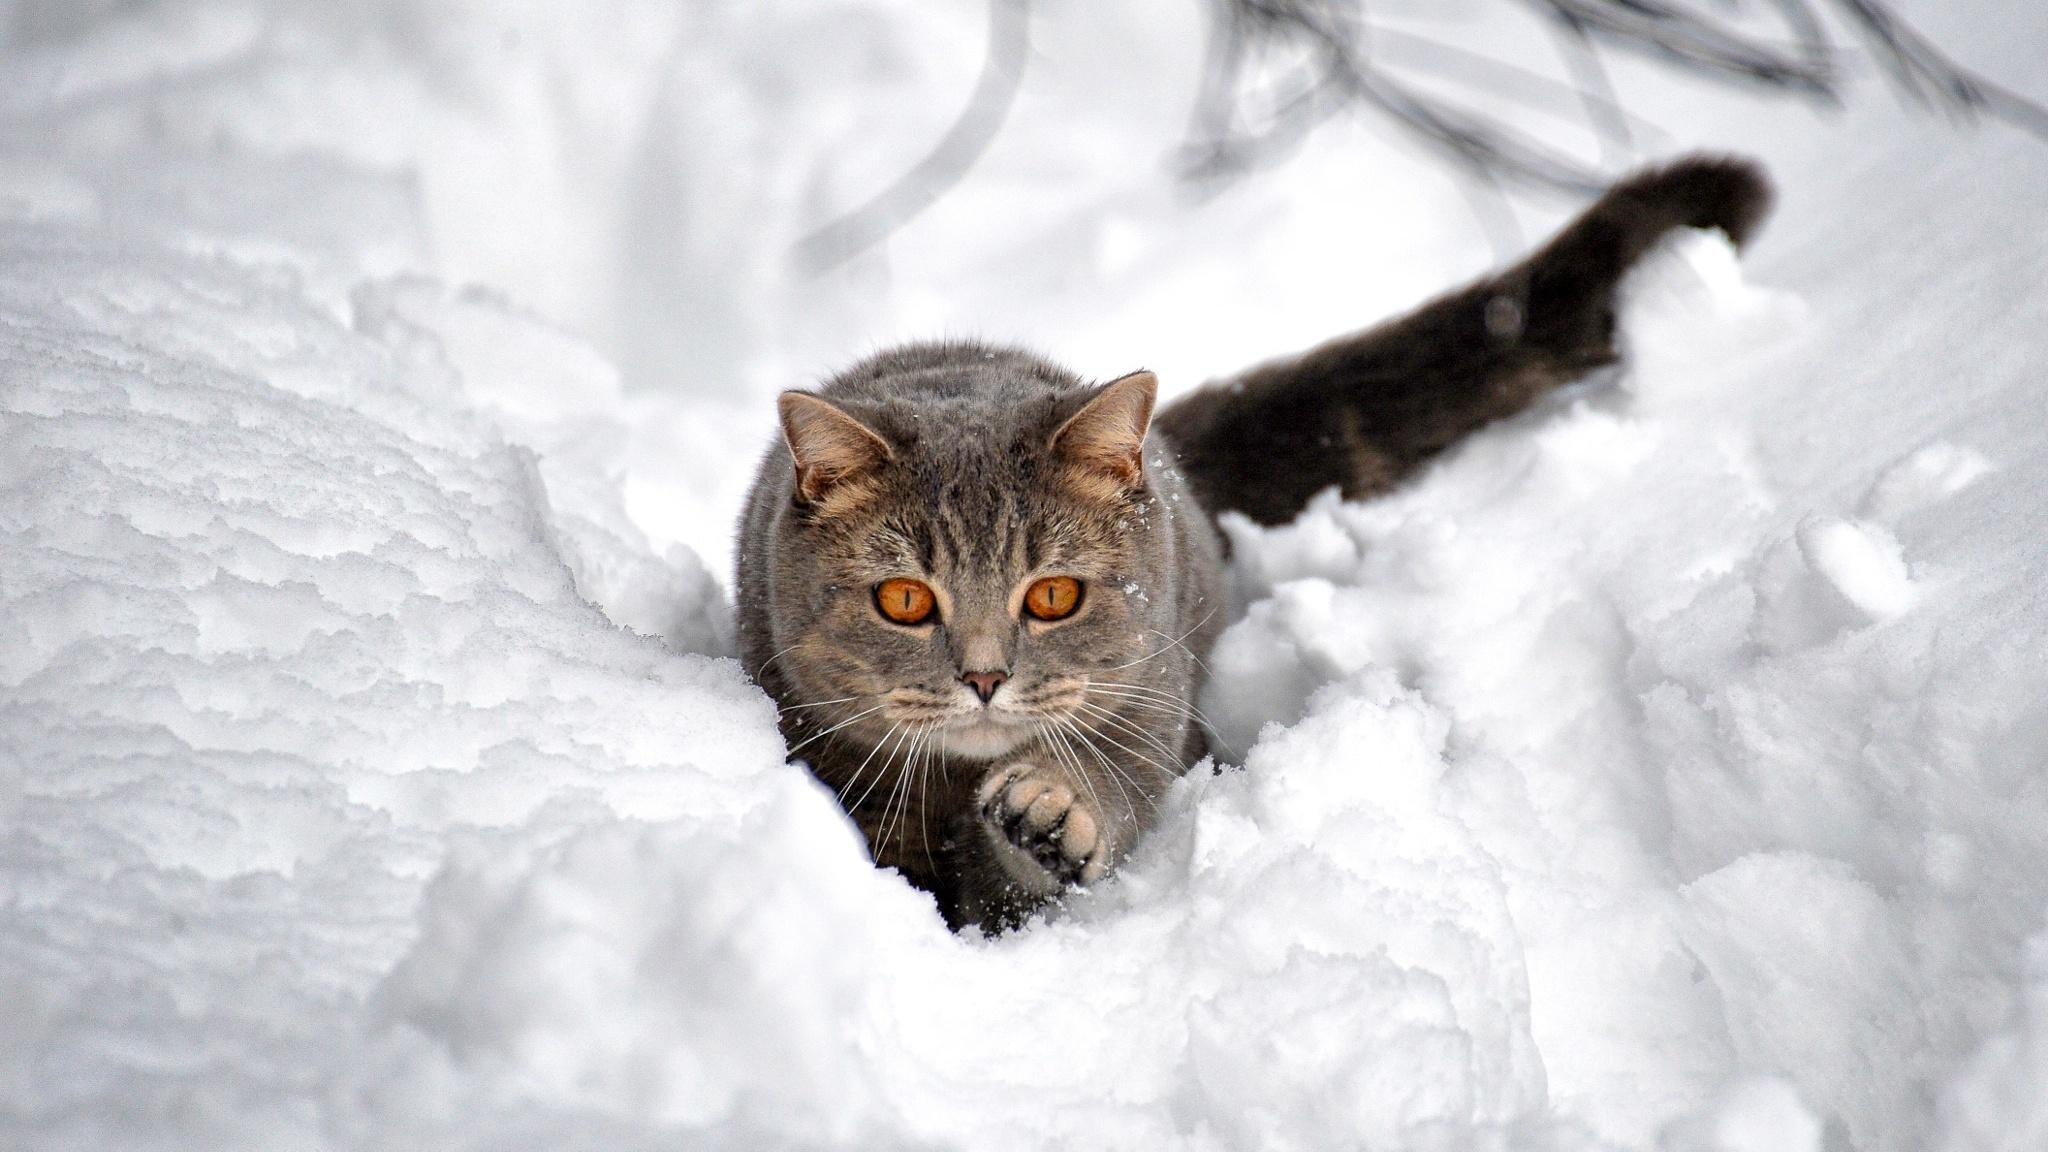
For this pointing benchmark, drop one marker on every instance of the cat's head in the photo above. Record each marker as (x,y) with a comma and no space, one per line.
(951,571)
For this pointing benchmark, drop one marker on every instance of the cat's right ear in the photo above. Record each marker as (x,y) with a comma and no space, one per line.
(830,446)
(1107,436)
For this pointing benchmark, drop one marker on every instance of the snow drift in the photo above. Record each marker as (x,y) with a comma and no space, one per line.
(1663,769)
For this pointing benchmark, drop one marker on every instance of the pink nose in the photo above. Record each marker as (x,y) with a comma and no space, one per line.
(984,683)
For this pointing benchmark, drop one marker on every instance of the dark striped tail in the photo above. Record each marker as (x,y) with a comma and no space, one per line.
(1363,411)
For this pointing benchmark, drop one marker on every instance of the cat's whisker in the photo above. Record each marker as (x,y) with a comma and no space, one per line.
(896,782)
(1088,782)
(1127,749)
(1046,735)
(857,772)
(836,727)
(1087,736)
(1135,729)
(906,780)
(861,803)
(924,832)
(920,764)
(1145,689)
(755,675)
(1060,753)
(1116,775)
(1192,654)
(1158,699)
(824,703)
(1085,706)
(1170,642)
(912,774)
(1145,659)
(1162,705)
(1153,708)
(1138,695)
(1059,749)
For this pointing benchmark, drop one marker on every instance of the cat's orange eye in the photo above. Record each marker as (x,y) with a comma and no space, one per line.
(905,601)
(1053,598)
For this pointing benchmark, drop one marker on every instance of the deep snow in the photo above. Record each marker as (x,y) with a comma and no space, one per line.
(1665,767)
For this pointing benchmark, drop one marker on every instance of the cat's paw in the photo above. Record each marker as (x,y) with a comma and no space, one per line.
(1039,814)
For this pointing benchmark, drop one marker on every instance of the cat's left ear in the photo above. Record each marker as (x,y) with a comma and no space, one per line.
(829,445)
(1108,433)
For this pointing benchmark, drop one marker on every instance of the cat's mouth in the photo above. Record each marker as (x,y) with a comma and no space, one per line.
(974,730)
(985,733)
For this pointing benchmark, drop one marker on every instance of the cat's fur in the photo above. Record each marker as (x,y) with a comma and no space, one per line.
(978,469)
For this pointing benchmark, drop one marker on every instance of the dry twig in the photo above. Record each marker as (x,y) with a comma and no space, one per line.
(1277,69)
(1320,54)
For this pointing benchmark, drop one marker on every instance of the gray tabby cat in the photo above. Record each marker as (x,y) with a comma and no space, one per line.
(980,587)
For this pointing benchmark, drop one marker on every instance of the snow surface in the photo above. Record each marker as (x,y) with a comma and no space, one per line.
(1665,769)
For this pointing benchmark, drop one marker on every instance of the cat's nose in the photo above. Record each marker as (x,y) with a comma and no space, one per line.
(984,683)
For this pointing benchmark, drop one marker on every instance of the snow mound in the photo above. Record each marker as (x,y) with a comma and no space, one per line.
(755,976)
(1693,734)
(279,610)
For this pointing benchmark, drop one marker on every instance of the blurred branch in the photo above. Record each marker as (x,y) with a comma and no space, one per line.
(1002,73)
(1695,43)
(1921,69)
(1319,56)
(1596,90)
(1804,24)
(1276,69)
(1330,40)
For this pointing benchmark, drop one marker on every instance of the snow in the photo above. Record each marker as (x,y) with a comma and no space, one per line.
(1663,769)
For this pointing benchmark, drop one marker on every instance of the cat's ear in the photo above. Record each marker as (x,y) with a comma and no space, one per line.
(830,445)
(1108,434)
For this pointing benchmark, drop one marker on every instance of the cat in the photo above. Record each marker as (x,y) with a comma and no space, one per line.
(980,588)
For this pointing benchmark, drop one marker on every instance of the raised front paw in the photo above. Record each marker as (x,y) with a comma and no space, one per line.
(1036,812)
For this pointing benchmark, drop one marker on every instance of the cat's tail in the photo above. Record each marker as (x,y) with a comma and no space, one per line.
(1363,411)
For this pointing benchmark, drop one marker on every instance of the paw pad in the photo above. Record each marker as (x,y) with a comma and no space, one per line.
(1042,817)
